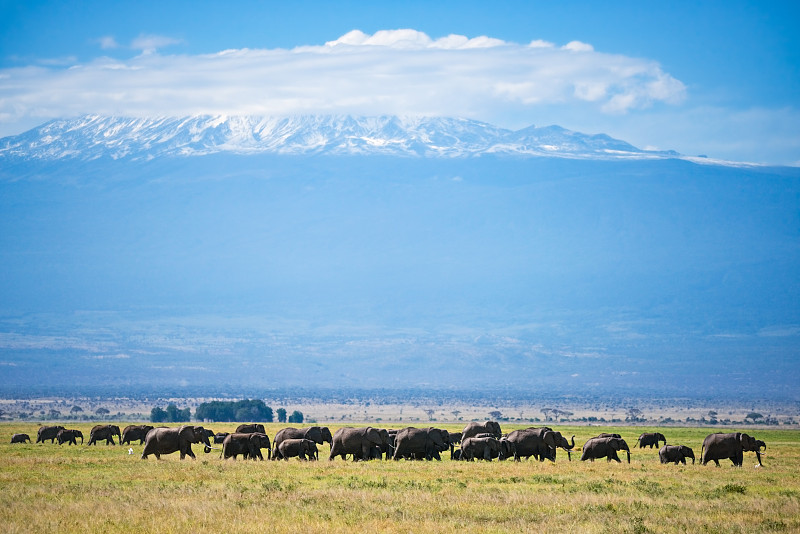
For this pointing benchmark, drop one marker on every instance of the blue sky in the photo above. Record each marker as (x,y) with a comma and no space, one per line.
(715,78)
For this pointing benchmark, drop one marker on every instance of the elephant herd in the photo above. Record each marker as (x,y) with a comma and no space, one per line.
(482,441)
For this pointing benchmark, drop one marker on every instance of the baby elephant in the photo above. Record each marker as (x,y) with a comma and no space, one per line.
(305,449)
(675,454)
(20,438)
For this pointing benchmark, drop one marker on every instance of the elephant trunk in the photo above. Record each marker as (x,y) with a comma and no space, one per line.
(572,446)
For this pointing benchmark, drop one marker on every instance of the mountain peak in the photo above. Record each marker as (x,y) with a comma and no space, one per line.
(94,136)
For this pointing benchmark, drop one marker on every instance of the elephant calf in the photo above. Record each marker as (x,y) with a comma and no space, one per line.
(20,438)
(246,444)
(675,454)
(305,449)
(604,447)
(69,436)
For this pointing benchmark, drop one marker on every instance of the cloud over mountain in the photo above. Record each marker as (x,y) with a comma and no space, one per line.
(389,72)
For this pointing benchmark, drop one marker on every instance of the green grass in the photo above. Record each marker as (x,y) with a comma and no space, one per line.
(102,488)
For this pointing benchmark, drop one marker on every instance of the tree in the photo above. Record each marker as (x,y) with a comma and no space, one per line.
(430,413)
(229,411)
(456,413)
(634,414)
(157,415)
(753,416)
(76,409)
(546,412)
(102,411)
(281,415)
(296,417)
(495,415)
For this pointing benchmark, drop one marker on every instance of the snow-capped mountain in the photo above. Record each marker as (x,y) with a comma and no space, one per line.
(92,137)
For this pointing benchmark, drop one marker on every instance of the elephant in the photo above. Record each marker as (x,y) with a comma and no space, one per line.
(760,444)
(530,442)
(456,455)
(219,437)
(106,432)
(20,438)
(305,449)
(607,447)
(650,439)
(168,440)
(133,432)
(48,432)
(69,436)
(246,444)
(455,439)
(675,453)
(356,441)
(483,448)
(317,434)
(605,435)
(249,428)
(732,446)
(541,443)
(418,443)
(489,427)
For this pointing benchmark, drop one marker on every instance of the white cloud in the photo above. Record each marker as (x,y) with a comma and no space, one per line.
(108,42)
(389,72)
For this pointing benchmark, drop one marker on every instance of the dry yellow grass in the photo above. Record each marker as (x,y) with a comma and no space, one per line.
(92,489)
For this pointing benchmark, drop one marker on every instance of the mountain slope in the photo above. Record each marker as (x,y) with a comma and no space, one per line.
(93,137)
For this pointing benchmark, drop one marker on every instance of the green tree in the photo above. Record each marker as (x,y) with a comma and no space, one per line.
(296,417)
(281,415)
(158,415)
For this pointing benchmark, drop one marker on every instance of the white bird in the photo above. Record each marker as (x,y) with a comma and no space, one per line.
(130,451)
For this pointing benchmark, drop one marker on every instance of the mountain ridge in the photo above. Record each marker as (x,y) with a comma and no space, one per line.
(92,137)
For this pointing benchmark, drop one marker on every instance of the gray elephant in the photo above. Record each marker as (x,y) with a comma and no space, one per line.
(104,432)
(732,446)
(168,440)
(487,427)
(219,437)
(650,439)
(246,444)
(604,447)
(69,436)
(20,438)
(418,443)
(48,432)
(357,441)
(675,453)
(133,432)
(482,448)
(530,442)
(249,428)
(317,434)
(305,449)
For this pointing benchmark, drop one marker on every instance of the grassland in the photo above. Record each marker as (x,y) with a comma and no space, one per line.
(104,489)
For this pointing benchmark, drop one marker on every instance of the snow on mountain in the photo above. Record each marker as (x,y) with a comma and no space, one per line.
(92,137)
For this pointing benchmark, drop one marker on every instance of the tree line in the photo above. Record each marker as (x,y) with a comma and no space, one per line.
(226,411)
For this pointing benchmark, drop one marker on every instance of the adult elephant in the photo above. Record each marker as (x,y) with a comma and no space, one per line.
(48,432)
(168,440)
(357,441)
(731,445)
(604,447)
(675,453)
(249,428)
(20,438)
(530,442)
(305,449)
(133,432)
(219,437)
(487,427)
(317,434)
(246,444)
(418,443)
(104,432)
(650,439)
(69,436)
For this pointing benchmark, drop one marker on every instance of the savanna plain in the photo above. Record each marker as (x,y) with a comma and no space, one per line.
(47,487)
